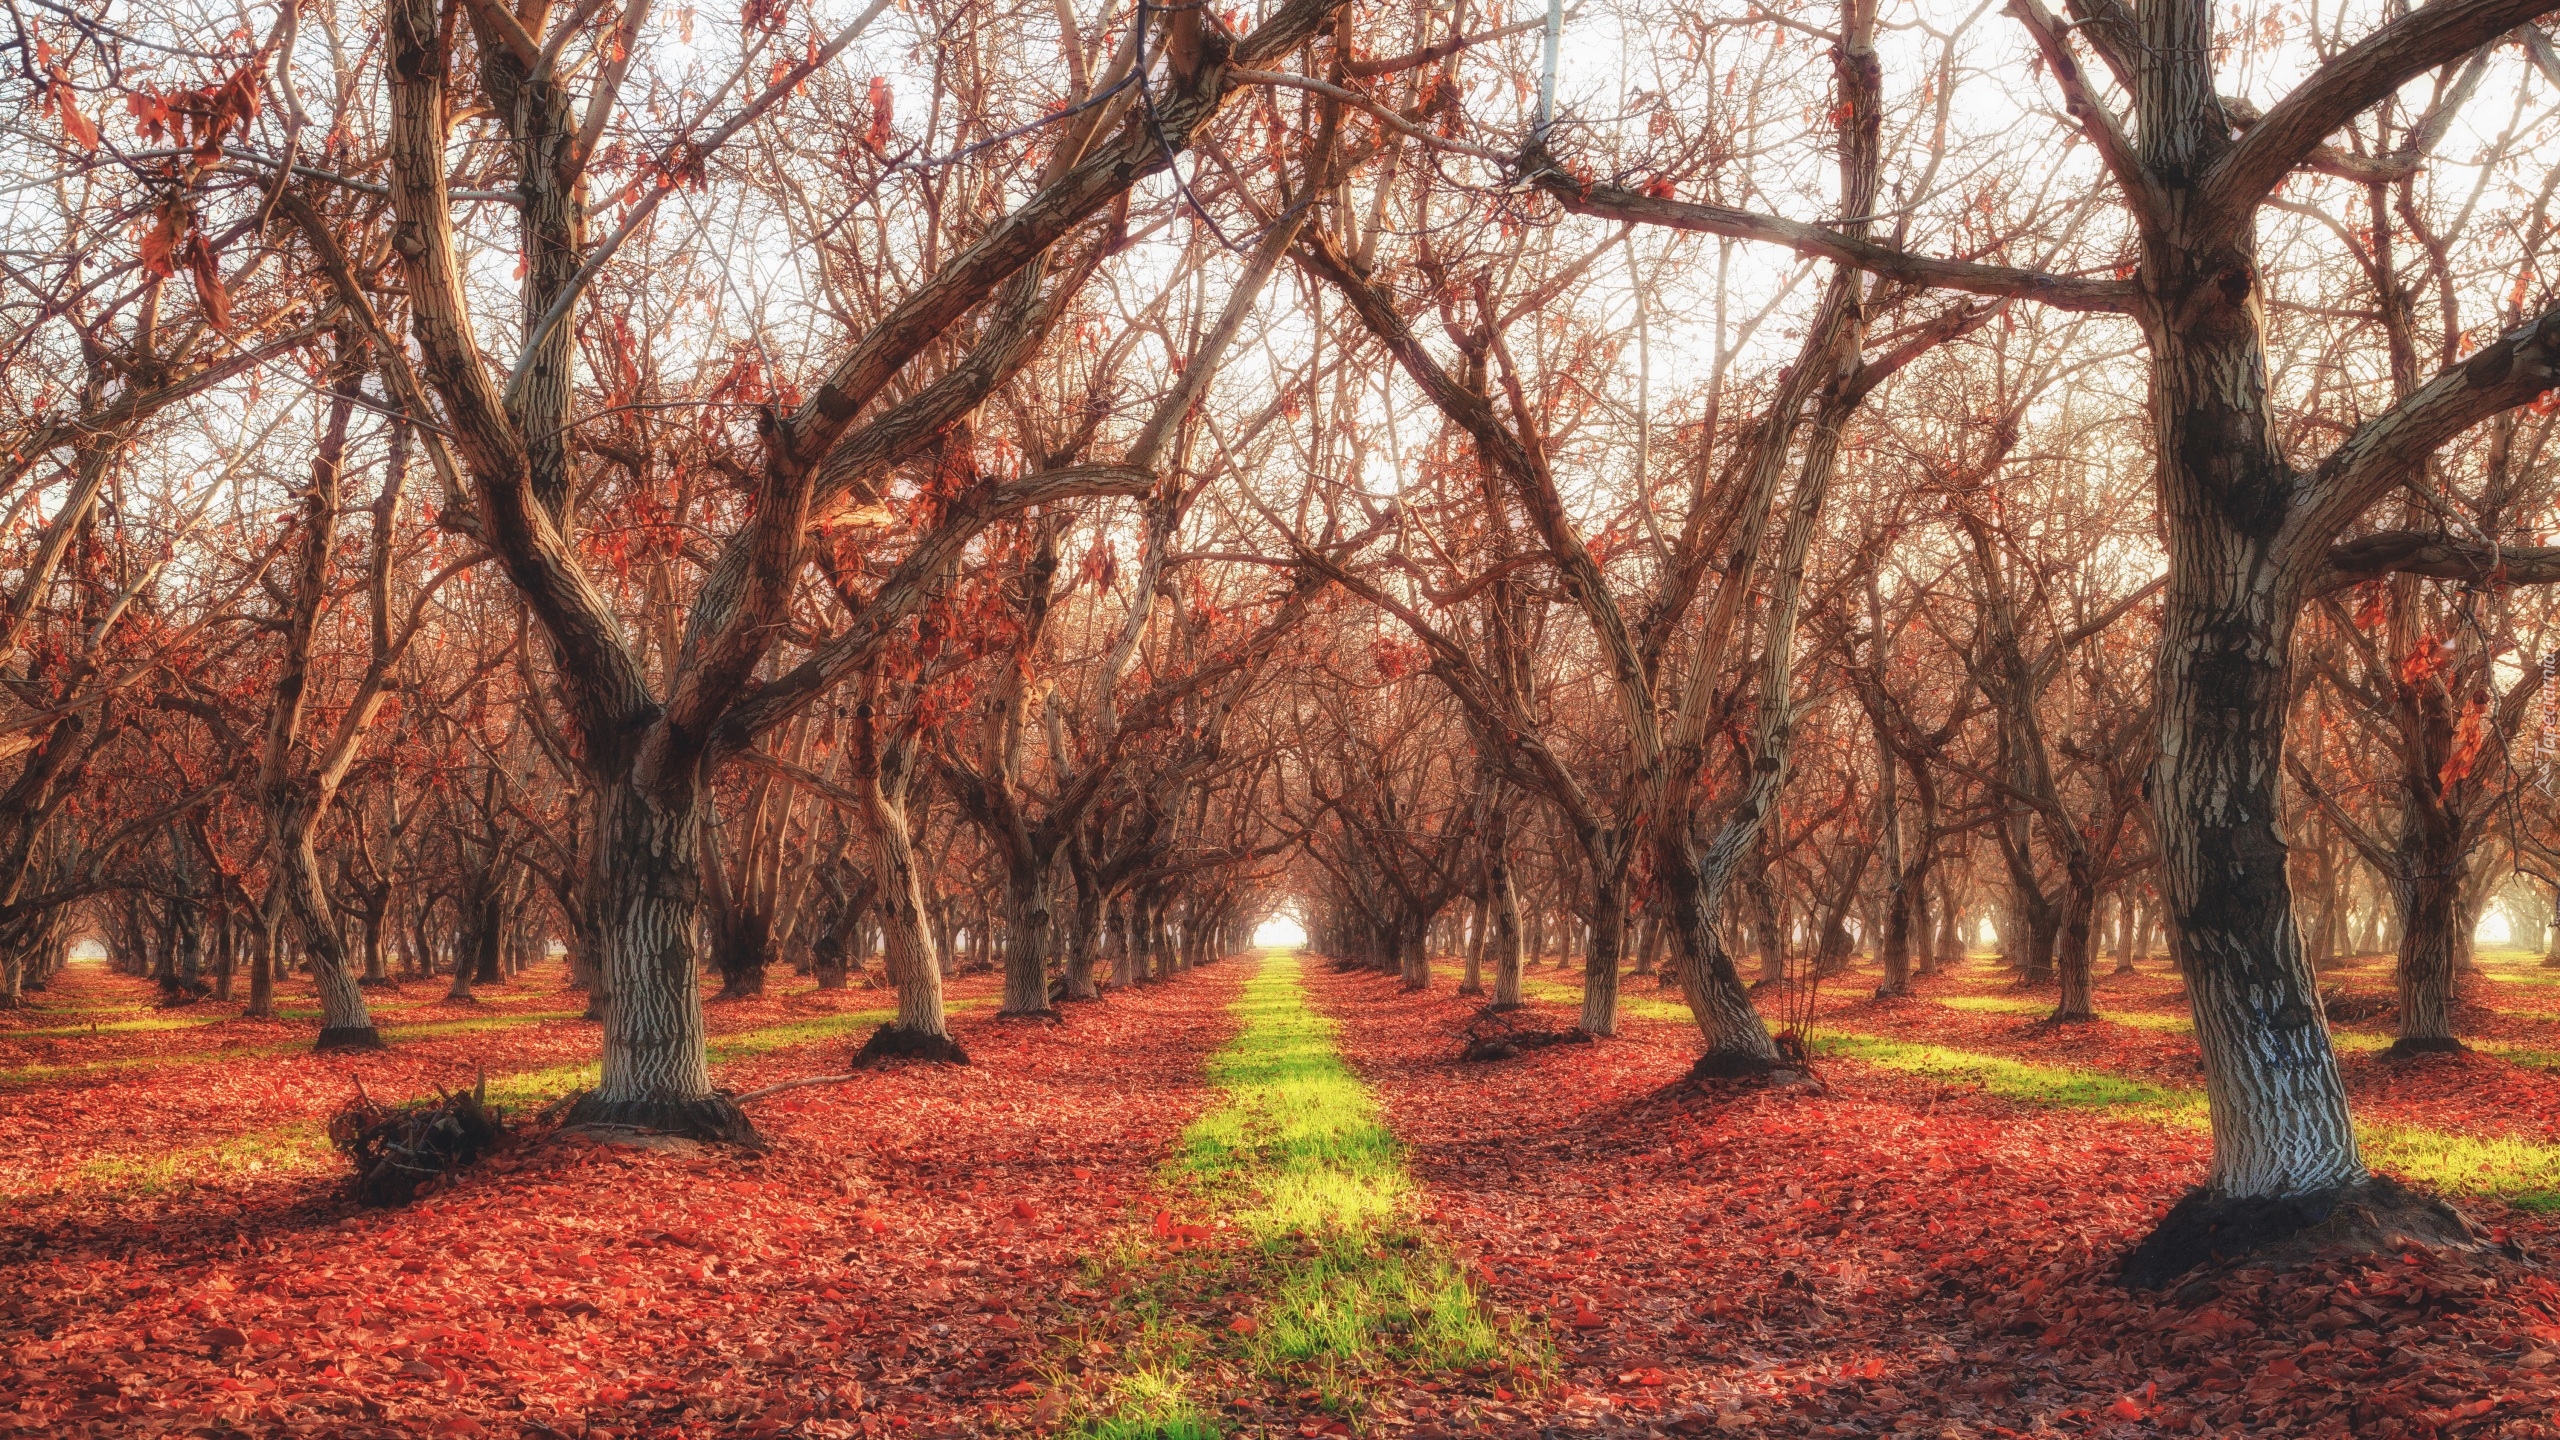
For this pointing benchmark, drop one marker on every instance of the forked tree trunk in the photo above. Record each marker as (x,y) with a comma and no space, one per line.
(1414,951)
(906,933)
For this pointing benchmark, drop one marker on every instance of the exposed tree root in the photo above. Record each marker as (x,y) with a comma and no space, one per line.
(896,1042)
(2372,1217)
(400,1150)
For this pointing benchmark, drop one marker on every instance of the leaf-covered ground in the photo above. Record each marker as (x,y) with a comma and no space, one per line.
(1264,1199)
(1933,1233)
(890,1268)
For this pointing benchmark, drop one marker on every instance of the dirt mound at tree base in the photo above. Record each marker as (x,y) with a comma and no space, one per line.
(896,1042)
(2355,1007)
(1503,1033)
(2377,1216)
(714,1117)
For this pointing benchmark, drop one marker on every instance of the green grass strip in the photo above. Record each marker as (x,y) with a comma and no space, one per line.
(1294,1156)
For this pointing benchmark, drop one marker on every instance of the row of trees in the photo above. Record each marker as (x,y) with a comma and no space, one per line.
(1059,475)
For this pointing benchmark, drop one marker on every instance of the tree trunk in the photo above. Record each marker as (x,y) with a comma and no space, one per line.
(906,933)
(1505,895)
(1085,936)
(1902,908)
(743,939)
(262,963)
(1026,939)
(1472,946)
(648,881)
(1415,952)
(377,912)
(345,1023)
(2431,914)
(2280,1122)
(2079,985)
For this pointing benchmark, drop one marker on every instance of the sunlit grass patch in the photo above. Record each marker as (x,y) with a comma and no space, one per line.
(1304,1167)
(136,1024)
(2023,1081)
(1632,1004)
(2524,1173)
(1344,1285)
(2024,1005)
(2517,967)
(300,1148)
(1152,1403)
(473,1025)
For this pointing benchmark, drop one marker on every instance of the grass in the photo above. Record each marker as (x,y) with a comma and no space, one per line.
(299,1147)
(2524,1173)
(112,1027)
(2023,1081)
(1294,1157)
(2021,1005)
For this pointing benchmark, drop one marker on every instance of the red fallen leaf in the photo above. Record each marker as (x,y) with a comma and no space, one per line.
(1025,1210)
(225,1336)
(1244,1325)
(2126,1408)
(1081,1172)
(1023,1390)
